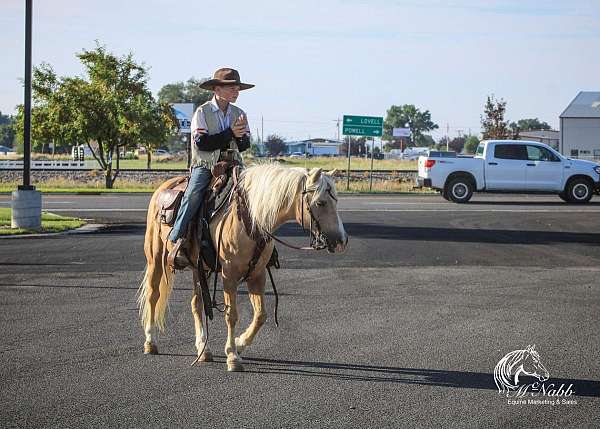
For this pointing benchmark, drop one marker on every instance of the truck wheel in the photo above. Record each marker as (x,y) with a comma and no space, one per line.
(444,194)
(459,190)
(563,196)
(579,190)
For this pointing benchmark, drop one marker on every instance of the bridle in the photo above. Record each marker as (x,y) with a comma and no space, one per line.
(317,240)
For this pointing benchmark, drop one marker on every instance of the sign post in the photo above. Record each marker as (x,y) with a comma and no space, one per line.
(362,126)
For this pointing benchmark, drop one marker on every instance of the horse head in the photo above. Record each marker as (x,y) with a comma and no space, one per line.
(320,211)
(532,365)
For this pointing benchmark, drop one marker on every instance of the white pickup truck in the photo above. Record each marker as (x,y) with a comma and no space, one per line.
(516,166)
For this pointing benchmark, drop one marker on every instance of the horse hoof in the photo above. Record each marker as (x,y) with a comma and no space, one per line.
(206,357)
(150,349)
(235,366)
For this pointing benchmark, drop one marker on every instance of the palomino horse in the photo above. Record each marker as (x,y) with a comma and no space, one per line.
(273,196)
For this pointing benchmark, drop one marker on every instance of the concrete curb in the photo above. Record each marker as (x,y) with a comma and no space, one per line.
(85,229)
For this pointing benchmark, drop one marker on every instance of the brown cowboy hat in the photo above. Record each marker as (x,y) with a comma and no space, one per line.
(225,76)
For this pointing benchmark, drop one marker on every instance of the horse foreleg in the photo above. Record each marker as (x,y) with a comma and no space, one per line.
(234,362)
(204,354)
(256,291)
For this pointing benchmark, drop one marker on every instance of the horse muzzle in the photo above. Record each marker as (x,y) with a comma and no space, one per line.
(338,245)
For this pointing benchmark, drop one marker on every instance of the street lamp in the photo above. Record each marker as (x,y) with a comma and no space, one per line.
(26,201)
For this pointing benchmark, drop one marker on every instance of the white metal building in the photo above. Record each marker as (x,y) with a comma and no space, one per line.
(580,127)
(314,147)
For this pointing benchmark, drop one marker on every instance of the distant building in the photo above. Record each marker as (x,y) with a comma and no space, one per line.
(549,137)
(580,127)
(314,147)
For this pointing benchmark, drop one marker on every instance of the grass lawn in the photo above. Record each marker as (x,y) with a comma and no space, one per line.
(50,223)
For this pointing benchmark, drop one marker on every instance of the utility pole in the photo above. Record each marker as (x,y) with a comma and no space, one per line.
(262,124)
(26,201)
(447,137)
(337,121)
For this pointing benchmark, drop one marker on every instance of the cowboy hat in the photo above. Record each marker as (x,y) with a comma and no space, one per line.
(225,76)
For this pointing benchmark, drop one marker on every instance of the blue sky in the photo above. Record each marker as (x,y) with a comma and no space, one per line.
(314,61)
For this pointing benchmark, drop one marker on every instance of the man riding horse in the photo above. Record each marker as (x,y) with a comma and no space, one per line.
(220,131)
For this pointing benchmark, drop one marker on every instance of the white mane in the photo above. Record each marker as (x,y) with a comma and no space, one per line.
(271,189)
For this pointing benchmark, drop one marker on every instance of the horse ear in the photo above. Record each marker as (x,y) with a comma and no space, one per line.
(332,172)
(314,175)
(533,348)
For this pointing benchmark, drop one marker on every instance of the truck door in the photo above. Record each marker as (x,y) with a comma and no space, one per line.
(506,167)
(544,169)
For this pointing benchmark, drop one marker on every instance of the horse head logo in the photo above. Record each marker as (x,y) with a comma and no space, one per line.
(515,364)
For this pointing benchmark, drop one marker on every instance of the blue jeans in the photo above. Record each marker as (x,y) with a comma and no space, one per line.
(191,202)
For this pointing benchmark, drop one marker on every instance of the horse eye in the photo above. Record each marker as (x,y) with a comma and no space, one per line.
(320,203)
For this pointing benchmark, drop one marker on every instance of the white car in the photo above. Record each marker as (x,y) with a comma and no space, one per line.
(515,166)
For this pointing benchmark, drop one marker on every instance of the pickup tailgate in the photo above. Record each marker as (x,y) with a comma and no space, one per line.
(433,171)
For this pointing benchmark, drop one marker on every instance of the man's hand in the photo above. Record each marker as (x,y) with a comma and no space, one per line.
(239,128)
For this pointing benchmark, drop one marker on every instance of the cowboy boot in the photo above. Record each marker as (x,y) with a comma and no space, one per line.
(178,258)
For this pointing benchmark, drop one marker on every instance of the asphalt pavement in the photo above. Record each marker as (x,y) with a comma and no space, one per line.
(403,330)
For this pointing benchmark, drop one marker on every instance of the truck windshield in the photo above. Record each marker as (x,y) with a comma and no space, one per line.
(479,149)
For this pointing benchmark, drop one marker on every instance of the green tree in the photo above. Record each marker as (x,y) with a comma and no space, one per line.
(110,108)
(530,124)
(457,144)
(492,121)
(471,144)
(275,144)
(357,146)
(185,92)
(7,130)
(159,123)
(408,116)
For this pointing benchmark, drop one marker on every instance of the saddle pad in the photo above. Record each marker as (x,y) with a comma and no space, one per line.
(222,197)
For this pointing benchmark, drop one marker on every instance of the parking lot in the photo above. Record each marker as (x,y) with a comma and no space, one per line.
(405,328)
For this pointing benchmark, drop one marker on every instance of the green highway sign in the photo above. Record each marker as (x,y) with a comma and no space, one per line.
(369,126)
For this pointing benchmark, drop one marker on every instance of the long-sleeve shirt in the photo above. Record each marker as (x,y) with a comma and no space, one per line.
(220,140)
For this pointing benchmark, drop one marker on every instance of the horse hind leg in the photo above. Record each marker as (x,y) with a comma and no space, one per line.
(256,292)
(149,296)
(153,297)
(204,354)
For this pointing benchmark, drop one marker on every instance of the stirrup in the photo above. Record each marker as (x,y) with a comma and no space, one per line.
(177,258)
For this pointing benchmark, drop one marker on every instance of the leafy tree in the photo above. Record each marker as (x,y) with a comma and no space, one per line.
(110,108)
(188,92)
(357,146)
(7,130)
(275,144)
(471,144)
(457,144)
(408,116)
(159,123)
(529,125)
(7,135)
(492,121)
